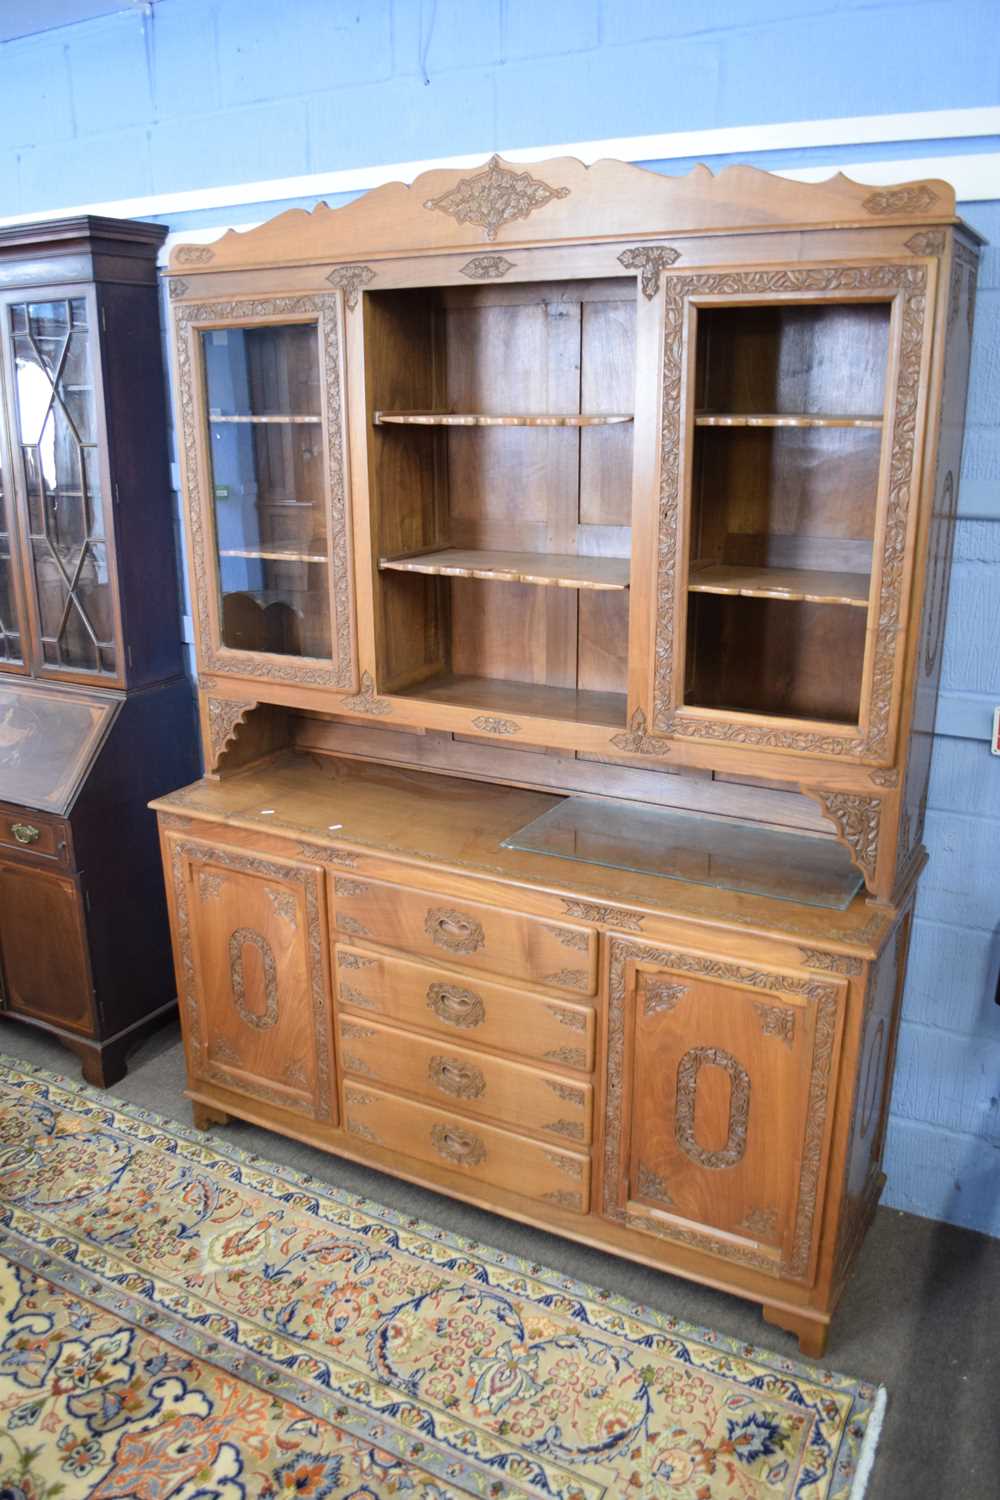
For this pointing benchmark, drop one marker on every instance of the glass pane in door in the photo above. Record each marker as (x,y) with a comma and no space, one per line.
(10,635)
(57,431)
(266,436)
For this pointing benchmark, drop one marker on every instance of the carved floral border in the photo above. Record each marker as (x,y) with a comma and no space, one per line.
(824,996)
(183,852)
(325,308)
(909,283)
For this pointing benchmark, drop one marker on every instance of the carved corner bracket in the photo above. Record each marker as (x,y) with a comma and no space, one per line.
(225,715)
(858,821)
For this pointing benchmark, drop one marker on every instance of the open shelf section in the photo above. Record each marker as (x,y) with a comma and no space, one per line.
(780,419)
(499,696)
(552,570)
(807,584)
(276,419)
(481,419)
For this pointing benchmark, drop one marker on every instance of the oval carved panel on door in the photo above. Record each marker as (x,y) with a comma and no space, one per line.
(242,938)
(688,1071)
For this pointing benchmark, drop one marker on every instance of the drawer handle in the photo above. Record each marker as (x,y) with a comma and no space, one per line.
(458,1145)
(25,833)
(452,930)
(456,1006)
(460,1079)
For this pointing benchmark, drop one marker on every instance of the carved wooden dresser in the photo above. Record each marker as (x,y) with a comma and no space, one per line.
(570,550)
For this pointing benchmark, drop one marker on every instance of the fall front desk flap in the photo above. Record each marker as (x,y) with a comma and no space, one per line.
(49,737)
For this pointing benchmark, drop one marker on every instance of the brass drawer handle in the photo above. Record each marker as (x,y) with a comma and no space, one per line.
(25,833)
(458,1145)
(452,930)
(456,1006)
(460,1079)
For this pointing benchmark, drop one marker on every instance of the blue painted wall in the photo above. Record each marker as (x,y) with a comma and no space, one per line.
(215,92)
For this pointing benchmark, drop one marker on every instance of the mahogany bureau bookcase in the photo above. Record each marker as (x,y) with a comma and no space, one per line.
(96,714)
(570,550)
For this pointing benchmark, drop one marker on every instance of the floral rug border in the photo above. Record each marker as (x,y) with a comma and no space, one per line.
(409,1428)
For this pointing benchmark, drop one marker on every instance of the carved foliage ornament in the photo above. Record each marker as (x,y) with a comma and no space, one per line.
(858,820)
(832,963)
(225,715)
(350,280)
(453,930)
(638,741)
(495,197)
(246,937)
(901,200)
(650,261)
(607,916)
(660,995)
(366,701)
(650,1184)
(487,267)
(340,672)
(908,283)
(777,1020)
(459,1146)
(688,1070)
(490,724)
(463,1080)
(928,242)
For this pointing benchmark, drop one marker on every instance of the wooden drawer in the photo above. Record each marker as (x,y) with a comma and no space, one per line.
(481,1152)
(473,1082)
(30,832)
(462,1008)
(481,937)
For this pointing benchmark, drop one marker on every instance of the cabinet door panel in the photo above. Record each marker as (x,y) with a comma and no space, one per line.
(262,405)
(253,967)
(790,490)
(44,948)
(719,1078)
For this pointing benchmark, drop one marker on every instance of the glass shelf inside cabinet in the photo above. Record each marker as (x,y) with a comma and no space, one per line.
(266,445)
(703,850)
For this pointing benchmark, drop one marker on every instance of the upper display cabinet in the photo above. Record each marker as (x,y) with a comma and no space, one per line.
(88,585)
(654,472)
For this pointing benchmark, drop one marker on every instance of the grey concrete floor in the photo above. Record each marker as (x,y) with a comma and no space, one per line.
(921,1315)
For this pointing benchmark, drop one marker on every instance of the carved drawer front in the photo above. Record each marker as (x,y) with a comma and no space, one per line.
(31,832)
(472,1082)
(255,1002)
(719,1083)
(481,1152)
(465,933)
(463,1007)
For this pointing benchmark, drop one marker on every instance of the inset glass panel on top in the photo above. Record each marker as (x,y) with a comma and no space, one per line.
(721,852)
(263,390)
(57,431)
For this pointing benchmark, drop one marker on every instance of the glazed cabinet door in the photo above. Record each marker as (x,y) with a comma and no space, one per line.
(253,970)
(13,638)
(719,1080)
(59,462)
(43,948)
(261,387)
(790,480)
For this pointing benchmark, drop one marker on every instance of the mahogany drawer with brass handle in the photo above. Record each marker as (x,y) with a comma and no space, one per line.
(474,1083)
(545,1173)
(466,1007)
(32,833)
(555,954)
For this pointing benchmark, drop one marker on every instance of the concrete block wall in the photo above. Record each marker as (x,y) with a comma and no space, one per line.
(208,93)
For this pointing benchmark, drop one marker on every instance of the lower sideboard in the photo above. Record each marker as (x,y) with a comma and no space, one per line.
(702,1094)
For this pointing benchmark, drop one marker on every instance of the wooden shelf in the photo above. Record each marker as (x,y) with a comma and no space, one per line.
(777,419)
(796,584)
(497,695)
(274,554)
(480,419)
(279,419)
(552,570)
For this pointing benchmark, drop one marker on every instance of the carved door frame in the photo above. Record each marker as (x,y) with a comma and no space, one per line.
(326,311)
(188,859)
(826,994)
(910,289)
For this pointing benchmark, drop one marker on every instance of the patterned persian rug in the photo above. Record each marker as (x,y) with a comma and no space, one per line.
(182,1321)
